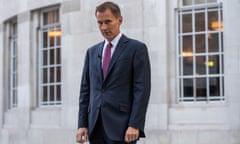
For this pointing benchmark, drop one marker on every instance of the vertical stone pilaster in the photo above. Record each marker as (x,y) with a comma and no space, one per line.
(155,32)
(1,77)
(24,68)
(231,45)
(70,18)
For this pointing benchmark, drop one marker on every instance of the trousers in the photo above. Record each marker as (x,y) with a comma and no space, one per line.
(99,135)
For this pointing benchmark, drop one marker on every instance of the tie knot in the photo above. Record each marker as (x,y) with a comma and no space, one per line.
(109,45)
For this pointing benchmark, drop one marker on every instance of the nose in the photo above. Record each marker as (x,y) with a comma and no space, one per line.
(103,26)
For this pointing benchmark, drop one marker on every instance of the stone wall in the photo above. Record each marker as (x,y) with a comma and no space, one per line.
(151,21)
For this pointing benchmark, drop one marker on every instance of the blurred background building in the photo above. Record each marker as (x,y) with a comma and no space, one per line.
(194,47)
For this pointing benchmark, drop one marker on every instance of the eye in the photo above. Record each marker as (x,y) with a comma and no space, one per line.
(100,23)
(107,21)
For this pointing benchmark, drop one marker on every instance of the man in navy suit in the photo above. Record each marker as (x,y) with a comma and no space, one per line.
(115,86)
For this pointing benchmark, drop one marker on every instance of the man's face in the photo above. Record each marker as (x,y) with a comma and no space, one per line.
(108,24)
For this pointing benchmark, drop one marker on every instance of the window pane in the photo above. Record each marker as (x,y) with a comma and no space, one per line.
(188,65)
(57,16)
(51,93)
(180,66)
(221,41)
(187,23)
(222,90)
(221,62)
(14,48)
(51,17)
(190,2)
(213,64)
(14,102)
(14,28)
(45,57)
(199,1)
(214,86)
(199,22)
(52,75)
(58,37)
(14,81)
(58,56)
(45,39)
(213,23)
(187,2)
(52,56)
(58,74)
(52,39)
(221,22)
(200,65)
(201,87)
(179,23)
(58,92)
(211,1)
(45,18)
(14,64)
(45,93)
(180,88)
(45,75)
(188,87)
(200,43)
(187,44)
(213,42)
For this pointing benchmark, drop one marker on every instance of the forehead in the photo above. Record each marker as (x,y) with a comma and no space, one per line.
(105,14)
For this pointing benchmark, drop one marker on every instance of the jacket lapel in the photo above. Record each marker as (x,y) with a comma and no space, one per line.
(119,49)
(99,61)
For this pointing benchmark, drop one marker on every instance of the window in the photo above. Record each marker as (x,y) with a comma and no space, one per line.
(13,99)
(50,58)
(196,2)
(200,52)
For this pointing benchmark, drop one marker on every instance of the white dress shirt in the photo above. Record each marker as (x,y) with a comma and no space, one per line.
(114,43)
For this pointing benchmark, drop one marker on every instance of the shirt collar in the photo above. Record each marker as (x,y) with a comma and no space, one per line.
(115,40)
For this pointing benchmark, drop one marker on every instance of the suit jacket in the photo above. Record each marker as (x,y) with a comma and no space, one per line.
(122,97)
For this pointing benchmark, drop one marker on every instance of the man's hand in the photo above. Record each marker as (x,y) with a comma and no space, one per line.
(131,134)
(82,135)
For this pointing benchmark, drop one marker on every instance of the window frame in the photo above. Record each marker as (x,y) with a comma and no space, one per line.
(45,28)
(13,64)
(179,44)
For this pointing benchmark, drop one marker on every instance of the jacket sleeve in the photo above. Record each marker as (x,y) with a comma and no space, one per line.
(141,88)
(84,95)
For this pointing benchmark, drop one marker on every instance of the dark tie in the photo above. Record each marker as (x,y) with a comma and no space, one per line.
(106,59)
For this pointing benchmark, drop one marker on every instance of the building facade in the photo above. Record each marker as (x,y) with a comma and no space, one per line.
(194,49)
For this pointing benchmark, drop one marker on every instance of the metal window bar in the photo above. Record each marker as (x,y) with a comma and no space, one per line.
(13,65)
(50,85)
(207,49)
(180,58)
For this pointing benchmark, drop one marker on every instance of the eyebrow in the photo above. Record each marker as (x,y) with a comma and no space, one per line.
(104,21)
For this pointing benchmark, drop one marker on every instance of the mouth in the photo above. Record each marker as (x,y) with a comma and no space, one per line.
(107,33)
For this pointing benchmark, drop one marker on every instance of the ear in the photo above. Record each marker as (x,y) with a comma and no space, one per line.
(120,19)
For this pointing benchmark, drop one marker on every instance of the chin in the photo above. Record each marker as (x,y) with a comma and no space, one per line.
(108,38)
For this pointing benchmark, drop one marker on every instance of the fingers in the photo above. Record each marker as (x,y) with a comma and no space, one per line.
(131,135)
(82,135)
(81,138)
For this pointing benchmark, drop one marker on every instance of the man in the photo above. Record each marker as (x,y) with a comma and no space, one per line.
(115,84)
